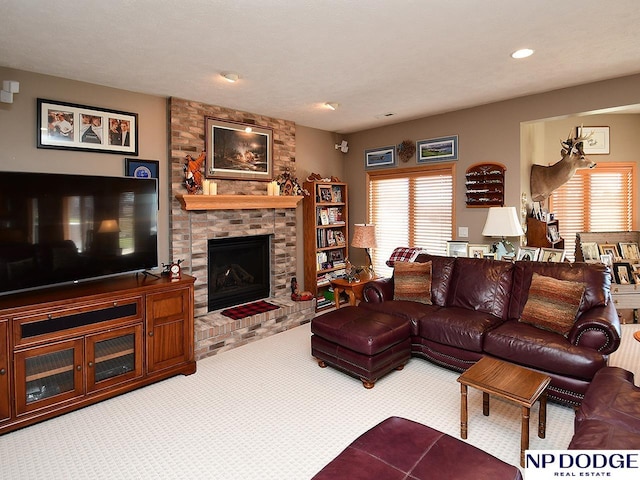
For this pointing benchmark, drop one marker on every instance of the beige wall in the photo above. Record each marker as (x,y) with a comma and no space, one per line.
(18,133)
(492,133)
(315,150)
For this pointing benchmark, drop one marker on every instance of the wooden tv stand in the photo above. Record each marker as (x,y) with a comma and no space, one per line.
(68,347)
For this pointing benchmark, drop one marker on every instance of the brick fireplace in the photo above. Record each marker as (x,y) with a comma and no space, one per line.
(192,229)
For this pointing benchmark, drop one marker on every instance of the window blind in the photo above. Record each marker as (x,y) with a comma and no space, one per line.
(601,199)
(411,208)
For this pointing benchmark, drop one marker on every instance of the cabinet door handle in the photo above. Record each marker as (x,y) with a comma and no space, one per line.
(90,364)
(151,334)
(79,367)
(2,371)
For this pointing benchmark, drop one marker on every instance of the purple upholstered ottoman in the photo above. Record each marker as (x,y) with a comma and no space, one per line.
(360,342)
(399,448)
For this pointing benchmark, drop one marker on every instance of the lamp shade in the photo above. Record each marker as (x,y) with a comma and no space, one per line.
(364,235)
(109,226)
(502,222)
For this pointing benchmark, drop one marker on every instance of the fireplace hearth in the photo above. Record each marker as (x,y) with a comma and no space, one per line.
(238,270)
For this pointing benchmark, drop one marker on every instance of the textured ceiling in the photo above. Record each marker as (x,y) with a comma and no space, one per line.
(373,57)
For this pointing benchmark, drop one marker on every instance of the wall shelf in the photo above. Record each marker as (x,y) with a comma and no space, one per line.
(237,202)
(485,185)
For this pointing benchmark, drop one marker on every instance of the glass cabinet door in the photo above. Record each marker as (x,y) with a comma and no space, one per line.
(114,357)
(49,374)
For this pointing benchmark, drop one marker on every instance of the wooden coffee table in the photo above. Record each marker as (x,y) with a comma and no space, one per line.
(510,382)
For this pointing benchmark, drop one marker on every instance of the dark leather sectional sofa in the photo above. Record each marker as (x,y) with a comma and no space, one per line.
(609,416)
(475,312)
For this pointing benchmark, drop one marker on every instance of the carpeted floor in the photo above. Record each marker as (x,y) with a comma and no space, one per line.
(263,411)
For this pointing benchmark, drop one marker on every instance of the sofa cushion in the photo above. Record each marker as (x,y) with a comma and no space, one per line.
(482,285)
(598,435)
(412,281)
(458,327)
(410,311)
(441,274)
(533,347)
(594,276)
(552,304)
(403,254)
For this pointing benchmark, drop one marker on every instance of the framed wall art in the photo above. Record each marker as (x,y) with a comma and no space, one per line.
(380,158)
(70,126)
(597,143)
(141,168)
(238,151)
(437,149)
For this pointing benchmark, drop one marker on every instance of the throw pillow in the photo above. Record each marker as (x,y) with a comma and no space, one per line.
(552,304)
(412,281)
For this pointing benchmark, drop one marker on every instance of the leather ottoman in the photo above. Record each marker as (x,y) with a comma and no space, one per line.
(360,342)
(399,449)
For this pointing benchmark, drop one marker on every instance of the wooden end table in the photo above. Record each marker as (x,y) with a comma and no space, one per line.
(352,289)
(510,382)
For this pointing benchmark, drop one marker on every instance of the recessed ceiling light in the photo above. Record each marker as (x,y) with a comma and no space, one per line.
(384,115)
(332,105)
(230,77)
(522,53)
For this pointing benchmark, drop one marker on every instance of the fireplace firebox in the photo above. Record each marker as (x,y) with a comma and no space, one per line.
(238,270)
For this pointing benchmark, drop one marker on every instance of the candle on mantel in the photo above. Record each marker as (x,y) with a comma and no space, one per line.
(270,189)
(205,187)
(276,188)
(213,188)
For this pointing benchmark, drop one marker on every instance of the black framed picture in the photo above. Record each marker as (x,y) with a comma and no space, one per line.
(143,169)
(71,126)
(622,273)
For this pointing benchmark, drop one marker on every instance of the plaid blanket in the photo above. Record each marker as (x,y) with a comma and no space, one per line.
(403,254)
(249,309)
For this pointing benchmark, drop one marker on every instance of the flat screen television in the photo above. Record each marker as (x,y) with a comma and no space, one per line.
(57,228)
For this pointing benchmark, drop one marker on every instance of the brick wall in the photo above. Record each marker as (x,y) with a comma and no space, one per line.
(190,230)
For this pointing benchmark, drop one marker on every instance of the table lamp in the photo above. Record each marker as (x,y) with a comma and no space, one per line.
(502,222)
(364,236)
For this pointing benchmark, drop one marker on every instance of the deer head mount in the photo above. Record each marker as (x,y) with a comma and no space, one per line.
(544,180)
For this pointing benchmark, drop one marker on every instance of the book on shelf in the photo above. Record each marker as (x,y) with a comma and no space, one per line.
(339,236)
(331,239)
(324,216)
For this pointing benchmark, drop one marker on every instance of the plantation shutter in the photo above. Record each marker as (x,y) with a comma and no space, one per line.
(411,208)
(595,200)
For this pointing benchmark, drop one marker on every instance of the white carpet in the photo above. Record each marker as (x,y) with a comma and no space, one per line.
(261,411)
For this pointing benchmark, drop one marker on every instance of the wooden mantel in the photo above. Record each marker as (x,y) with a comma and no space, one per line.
(236,202)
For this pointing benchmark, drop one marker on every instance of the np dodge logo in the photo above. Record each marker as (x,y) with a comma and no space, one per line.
(611,464)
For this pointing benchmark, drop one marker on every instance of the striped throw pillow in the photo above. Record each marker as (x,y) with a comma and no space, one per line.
(412,281)
(552,304)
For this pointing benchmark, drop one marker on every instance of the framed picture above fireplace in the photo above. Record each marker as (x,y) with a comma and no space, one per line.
(238,151)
